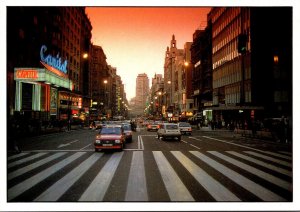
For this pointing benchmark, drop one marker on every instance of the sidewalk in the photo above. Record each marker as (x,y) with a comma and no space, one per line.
(264,135)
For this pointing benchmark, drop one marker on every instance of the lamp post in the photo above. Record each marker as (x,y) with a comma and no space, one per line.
(105,96)
(84,56)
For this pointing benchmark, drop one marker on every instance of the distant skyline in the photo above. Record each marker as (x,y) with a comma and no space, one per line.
(135,39)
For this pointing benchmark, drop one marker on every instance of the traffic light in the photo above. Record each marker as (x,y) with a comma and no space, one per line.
(242,43)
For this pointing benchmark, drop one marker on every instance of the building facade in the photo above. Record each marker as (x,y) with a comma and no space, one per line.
(46,74)
(142,90)
(202,72)
(252,78)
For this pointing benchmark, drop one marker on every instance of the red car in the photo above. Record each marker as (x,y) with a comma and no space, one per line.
(110,137)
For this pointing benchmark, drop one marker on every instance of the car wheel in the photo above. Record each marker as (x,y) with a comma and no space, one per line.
(179,138)
(96,150)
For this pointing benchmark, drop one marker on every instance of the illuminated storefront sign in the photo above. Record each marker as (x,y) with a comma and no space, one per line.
(27,74)
(55,62)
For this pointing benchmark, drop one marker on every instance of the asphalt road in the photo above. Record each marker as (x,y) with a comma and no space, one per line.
(204,167)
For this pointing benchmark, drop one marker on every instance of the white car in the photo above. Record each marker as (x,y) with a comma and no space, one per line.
(185,128)
(169,130)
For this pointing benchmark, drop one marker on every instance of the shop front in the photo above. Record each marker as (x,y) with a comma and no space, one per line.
(37,92)
(37,89)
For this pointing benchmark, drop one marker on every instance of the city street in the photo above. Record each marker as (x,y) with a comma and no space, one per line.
(207,166)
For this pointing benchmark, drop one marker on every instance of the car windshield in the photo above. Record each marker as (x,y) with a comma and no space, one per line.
(172,127)
(111,131)
(127,127)
(183,124)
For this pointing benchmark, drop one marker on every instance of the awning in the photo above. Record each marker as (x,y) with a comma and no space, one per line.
(42,75)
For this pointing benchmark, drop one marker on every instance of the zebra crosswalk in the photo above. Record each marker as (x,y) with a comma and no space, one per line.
(199,176)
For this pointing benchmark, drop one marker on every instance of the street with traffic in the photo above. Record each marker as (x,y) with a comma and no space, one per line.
(206,166)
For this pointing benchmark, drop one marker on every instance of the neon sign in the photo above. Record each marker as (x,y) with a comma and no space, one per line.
(27,74)
(55,62)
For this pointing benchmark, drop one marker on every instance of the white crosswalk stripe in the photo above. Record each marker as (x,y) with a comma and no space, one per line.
(27,184)
(261,163)
(176,189)
(249,185)
(30,167)
(216,189)
(136,187)
(24,160)
(255,171)
(17,156)
(98,188)
(60,187)
(285,163)
(164,164)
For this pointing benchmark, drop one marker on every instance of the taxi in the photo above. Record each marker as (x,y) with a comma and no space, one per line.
(110,137)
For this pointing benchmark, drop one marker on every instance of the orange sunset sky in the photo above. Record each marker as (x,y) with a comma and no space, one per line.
(135,39)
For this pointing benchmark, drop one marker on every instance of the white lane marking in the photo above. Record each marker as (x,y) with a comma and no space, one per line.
(17,156)
(197,139)
(266,176)
(142,144)
(54,192)
(191,144)
(233,144)
(288,164)
(261,163)
(99,186)
(136,186)
(67,144)
(139,142)
(85,146)
(30,167)
(194,146)
(24,160)
(27,184)
(254,188)
(216,189)
(175,187)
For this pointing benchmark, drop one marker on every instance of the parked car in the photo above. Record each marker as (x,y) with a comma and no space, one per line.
(128,132)
(169,130)
(110,137)
(185,128)
(153,126)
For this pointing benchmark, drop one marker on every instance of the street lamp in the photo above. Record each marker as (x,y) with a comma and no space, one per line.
(84,56)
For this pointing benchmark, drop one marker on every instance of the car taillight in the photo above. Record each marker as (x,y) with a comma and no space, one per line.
(98,136)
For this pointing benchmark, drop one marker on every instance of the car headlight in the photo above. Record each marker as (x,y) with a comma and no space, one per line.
(98,142)
(117,141)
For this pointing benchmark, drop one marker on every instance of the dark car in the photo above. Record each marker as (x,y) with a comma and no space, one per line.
(153,126)
(128,132)
(110,137)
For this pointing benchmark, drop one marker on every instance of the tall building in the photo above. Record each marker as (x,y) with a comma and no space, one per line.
(99,81)
(142,90)
(170,82)
(201,58)
(251,62)
(187,102)
(45,64)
